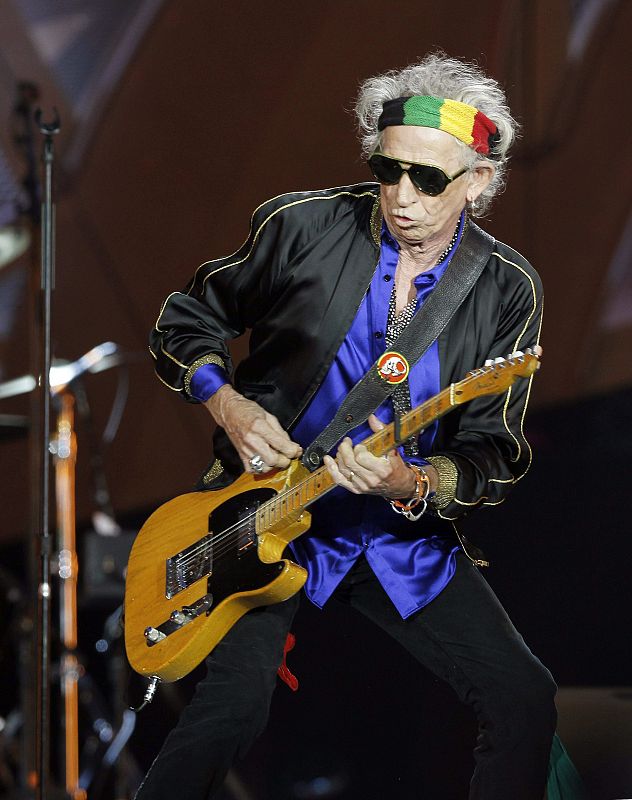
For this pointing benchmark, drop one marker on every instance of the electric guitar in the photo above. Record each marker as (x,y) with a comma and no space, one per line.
(203,559)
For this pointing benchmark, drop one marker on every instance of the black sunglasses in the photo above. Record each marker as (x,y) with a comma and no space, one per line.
(428,179)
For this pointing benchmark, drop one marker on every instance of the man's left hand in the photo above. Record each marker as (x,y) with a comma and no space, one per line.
(360,472)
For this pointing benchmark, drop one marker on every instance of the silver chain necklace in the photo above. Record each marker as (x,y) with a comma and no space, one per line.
(401,396)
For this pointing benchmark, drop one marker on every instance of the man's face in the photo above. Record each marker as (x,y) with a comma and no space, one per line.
(410,215)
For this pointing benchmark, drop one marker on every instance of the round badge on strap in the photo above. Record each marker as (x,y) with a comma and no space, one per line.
(392,367)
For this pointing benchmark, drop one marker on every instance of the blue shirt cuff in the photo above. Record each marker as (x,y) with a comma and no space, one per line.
(206,380)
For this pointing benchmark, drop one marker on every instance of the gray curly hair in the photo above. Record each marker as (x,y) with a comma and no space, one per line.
(438,75)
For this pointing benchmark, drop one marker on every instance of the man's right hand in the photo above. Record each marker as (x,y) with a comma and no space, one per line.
(252,430)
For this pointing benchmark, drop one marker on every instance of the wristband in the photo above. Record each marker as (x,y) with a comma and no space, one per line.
(422,492)
(448,477)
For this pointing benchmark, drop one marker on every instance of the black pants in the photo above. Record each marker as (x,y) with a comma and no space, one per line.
(464,637)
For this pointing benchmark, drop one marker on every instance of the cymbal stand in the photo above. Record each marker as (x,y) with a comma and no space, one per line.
(65,450)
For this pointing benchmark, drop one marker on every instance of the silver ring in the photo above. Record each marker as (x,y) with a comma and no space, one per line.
(257,463)
(351,475)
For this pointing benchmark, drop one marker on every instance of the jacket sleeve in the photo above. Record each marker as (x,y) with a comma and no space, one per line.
(223,299)
(488,452)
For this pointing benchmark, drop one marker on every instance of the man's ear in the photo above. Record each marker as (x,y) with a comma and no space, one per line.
(479,179)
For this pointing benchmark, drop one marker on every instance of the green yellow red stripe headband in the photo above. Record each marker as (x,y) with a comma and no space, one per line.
(460,119)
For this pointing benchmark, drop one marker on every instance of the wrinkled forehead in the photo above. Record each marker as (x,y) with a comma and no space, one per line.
(422,145)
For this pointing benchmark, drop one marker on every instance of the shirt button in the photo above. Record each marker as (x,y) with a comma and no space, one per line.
(387,278)
(378,334)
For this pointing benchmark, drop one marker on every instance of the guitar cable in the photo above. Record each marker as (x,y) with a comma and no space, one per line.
(150,691)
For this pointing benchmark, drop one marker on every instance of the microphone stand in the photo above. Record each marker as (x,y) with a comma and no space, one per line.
(44,544)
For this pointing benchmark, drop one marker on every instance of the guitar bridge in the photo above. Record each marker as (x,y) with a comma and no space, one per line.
(179,617)
(188,566)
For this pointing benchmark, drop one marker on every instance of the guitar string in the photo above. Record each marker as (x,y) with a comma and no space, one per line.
(200,551)
(233,531)
(375,439)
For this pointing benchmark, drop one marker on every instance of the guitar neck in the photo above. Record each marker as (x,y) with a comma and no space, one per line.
(494,377)
(293,500)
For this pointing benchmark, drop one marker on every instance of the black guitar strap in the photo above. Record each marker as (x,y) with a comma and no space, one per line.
(369,393)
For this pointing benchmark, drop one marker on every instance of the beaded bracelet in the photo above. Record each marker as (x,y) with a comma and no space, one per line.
(422,483)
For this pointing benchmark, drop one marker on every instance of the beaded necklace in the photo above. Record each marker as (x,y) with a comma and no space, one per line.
(451,244)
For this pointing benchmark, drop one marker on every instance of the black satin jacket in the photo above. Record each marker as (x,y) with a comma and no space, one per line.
(297,283)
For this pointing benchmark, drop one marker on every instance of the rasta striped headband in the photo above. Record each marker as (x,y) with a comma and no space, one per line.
(460,119)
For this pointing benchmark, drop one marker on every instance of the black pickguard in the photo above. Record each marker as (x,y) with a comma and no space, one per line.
(236,565)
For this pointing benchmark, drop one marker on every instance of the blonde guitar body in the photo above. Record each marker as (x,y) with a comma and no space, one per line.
(204,559)
(248,561)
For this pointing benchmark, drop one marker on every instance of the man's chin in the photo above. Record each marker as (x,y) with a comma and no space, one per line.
(410,234)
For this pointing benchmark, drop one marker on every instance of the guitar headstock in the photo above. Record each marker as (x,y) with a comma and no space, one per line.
(498,374)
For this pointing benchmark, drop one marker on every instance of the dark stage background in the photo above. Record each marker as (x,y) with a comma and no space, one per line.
(179,118)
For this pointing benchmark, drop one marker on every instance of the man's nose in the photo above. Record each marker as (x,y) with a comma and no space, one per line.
(406,191)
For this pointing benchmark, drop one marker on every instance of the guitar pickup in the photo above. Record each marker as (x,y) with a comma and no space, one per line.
(188,566)
(246,530)
(179,617)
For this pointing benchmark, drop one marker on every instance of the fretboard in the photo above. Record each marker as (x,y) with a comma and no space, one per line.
(293,500)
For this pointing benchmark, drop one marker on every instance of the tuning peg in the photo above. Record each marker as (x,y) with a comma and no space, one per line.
(499,361)
(489,362)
